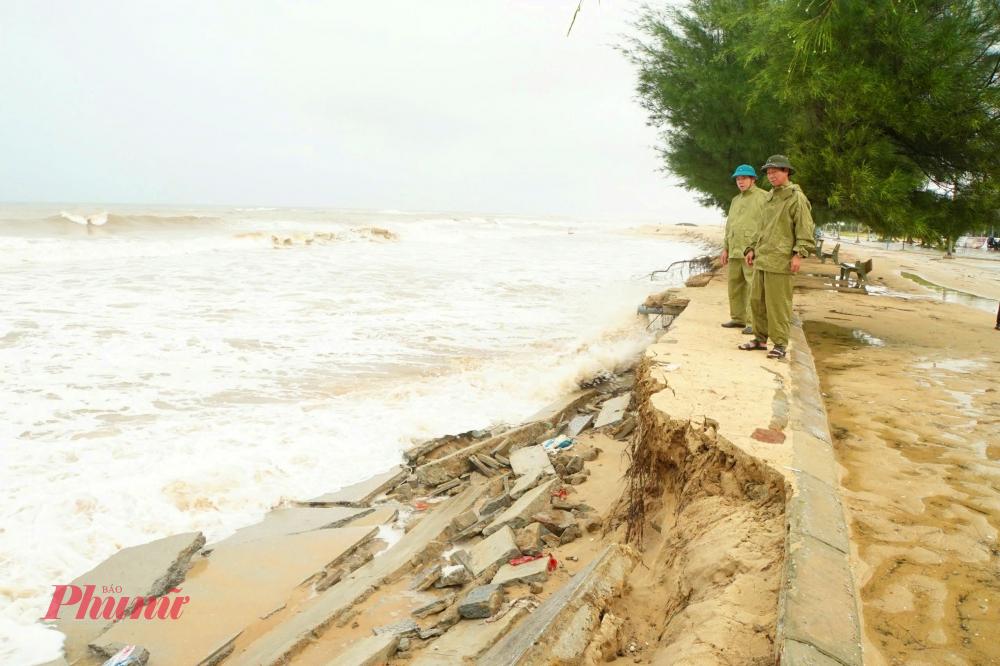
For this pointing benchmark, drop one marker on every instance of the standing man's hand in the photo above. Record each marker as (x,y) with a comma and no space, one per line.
(725,257)
(749,258)
(796,263)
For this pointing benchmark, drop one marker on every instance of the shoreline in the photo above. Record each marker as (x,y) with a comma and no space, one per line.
(748,523)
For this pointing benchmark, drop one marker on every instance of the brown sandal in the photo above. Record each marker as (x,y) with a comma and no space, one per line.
(777,352)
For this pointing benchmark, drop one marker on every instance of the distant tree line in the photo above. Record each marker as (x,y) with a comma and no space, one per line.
(889,109)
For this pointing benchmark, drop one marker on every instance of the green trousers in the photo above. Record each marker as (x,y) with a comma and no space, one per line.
(740,282)
(771,304)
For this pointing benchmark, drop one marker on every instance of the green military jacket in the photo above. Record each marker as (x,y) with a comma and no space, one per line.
(744,217)
(786,226)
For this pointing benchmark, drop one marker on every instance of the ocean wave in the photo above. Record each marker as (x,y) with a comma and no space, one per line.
(97,219)
(319,237)
(55,250)
(115,220)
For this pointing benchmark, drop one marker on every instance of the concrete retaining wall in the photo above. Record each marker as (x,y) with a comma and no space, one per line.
(818,623)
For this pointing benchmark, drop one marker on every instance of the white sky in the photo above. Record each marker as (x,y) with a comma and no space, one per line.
(455,105)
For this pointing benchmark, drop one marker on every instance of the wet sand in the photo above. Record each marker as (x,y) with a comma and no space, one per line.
(910,388)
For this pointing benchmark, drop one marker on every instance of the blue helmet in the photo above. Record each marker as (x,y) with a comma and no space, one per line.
(745,170)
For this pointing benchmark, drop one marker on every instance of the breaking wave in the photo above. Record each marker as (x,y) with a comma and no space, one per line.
(97,219)
(319,237)
(114,220)
(54,250)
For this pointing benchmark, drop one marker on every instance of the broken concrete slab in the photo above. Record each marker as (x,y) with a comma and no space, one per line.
(385,515)
(476,528)
(453,575)
(426,578)
(282,522)
(464,521)
(577,425)
(527,482)
(613,410)
(361,494)
(367,651)
(446,468)
(527,459)
(399,629)
(529,539)
(149,570)
(496,504)
(274,647)
(467,640)
(445,487)
(434,606)
(594,586)
(498,547)
(519,515)
(236,586)
(556,521)
(481,602)
(536,571)
(555,412)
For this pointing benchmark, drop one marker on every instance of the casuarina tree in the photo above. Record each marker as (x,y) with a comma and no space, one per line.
(889,109)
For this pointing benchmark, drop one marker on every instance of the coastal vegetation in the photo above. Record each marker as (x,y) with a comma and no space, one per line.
(889,109)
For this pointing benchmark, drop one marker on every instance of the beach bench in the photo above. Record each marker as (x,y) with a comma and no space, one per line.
(835,255)
(862,268)
(819,248)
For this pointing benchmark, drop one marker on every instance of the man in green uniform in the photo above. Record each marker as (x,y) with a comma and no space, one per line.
(741,225)
(784,237)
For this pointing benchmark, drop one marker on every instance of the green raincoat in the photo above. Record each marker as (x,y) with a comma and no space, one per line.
(786,226)
(744,216)
(741,227)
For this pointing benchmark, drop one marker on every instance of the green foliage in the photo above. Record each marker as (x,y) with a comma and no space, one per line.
(695,88)
(889,109)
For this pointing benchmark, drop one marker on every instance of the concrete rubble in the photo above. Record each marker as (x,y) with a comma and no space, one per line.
(530,458)
(398,629)
(520,513)
(536,571)
(560,630)
(434,606)
(468,640)
(453,575)
(613,410)
(527,482)
(577,425)
(481,602)
(496,548)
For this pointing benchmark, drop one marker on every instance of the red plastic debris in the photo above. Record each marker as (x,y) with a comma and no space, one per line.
(524,559)
(562,494)
(420,505)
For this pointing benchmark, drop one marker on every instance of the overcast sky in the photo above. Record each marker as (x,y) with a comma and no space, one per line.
(454,105)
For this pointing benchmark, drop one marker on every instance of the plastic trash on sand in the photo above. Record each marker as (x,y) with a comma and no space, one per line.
(557,443)
(130,655)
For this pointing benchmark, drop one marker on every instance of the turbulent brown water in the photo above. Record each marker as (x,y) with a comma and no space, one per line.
(167,370)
